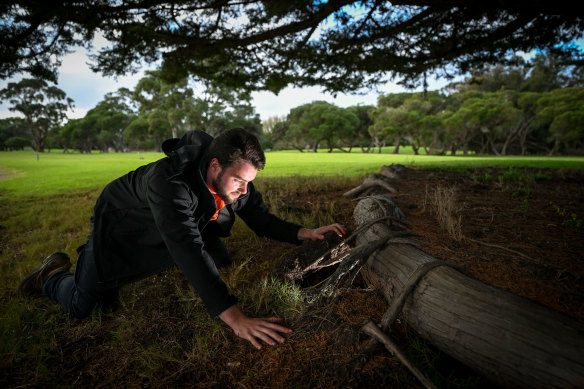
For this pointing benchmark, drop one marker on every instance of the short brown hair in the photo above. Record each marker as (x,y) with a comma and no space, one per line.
(236,144)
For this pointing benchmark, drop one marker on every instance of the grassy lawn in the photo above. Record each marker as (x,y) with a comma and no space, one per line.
(22,173)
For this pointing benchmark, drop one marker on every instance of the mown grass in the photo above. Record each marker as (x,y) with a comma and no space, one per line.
(54,172)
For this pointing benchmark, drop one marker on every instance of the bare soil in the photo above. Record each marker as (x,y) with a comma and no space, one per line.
(543,223)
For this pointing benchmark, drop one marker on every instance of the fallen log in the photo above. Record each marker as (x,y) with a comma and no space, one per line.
(372,182)
(511,340)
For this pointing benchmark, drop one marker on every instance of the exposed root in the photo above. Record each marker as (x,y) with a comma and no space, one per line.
(496,246)
(374,181)
(371,329)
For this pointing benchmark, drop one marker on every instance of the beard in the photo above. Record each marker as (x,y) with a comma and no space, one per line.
(220,190)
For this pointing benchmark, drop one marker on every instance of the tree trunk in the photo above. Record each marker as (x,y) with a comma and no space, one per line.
(366,150)
(556,147)
(511,340)
(507,143)
(396,148)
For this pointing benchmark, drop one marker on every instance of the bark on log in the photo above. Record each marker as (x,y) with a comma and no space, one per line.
(511,340)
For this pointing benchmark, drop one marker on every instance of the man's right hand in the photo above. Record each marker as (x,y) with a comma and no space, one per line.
(254,329)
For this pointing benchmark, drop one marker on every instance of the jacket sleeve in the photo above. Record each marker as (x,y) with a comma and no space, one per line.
(173,206)
(256,215)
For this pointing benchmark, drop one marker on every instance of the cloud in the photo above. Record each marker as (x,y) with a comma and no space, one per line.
(81,84)
(87,88)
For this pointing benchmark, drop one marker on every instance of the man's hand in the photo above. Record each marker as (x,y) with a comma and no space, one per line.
(254,329)
(318,233)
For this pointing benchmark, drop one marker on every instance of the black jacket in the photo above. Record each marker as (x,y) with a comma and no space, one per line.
(153,217)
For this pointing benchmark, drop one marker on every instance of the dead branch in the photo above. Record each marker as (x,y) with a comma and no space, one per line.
(327,259)
(352,264)
(371,329)
(498,247)
(511,340)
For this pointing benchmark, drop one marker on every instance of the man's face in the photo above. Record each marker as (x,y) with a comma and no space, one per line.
(231,182)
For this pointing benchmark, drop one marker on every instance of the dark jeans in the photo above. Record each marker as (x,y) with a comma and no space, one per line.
(79,293)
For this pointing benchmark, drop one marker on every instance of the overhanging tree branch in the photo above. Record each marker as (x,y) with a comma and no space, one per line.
(358,44)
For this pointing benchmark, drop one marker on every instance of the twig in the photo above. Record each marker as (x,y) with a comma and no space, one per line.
(499,247)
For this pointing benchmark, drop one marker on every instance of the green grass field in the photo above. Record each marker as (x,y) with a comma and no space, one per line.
(22,173)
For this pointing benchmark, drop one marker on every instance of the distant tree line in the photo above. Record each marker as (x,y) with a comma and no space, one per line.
(138,119)
(499,110)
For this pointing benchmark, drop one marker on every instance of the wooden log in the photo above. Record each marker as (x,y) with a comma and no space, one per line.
(512,341)
(372,182)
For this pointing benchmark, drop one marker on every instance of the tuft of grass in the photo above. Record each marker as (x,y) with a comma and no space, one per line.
(573,221)
(262,294)
(517,182)
(570,219)
(277,295)
(539,176)
(443,203)
(512,175)
(483,177)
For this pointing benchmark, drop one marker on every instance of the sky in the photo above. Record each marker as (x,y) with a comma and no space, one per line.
(87,88)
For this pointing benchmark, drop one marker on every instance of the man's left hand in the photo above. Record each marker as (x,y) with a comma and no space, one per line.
(318,233)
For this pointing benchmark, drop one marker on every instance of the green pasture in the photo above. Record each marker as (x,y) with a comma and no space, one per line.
(53,172)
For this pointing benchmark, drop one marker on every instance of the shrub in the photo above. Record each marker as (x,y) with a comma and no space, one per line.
(17,143)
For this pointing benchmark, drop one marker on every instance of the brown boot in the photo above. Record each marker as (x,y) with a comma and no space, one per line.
(32,283)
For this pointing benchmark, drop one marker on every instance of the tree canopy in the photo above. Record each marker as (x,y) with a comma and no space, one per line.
(342,45)
(42,105)
(154,111)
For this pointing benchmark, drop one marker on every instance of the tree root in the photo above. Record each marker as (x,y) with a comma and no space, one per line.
(498,247)
(371,329)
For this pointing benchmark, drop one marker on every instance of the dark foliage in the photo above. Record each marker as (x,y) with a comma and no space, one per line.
(340,44)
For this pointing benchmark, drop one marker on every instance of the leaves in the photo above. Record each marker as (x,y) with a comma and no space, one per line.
(342,45)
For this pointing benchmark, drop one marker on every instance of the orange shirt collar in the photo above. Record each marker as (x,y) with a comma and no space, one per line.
(218,200)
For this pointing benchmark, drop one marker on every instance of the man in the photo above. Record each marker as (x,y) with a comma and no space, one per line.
(173,212)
